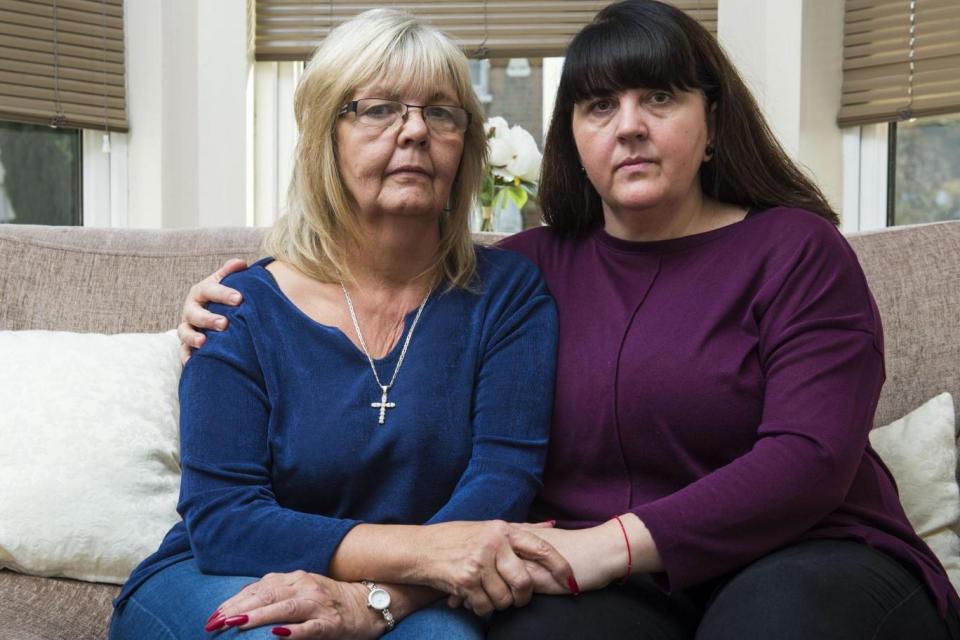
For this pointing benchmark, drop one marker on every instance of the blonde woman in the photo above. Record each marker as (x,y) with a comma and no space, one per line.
(382,372)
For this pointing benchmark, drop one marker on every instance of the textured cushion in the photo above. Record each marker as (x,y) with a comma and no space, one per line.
(53,609)
(112,280)
(921,452)
(108,280)
(914,273)
(90,458)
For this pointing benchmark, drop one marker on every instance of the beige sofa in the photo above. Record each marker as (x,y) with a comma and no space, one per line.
(115,281)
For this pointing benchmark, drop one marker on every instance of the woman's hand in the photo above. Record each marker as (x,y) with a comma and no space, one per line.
(488,565)
(305,605)
(195,315)
(598,555)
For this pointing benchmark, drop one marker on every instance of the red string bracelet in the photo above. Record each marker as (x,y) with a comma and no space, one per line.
(629,553)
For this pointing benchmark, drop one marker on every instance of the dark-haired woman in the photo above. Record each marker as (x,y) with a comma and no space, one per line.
(719,364)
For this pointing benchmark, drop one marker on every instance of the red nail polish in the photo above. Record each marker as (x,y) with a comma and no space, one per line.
(573,586)
(236,621)
(213,615)
(281,631)
(215,624)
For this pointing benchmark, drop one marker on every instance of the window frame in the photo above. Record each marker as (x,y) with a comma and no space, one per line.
(866,176)
(104,179)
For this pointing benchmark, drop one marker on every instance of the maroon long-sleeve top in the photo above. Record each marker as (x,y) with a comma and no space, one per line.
(721,386)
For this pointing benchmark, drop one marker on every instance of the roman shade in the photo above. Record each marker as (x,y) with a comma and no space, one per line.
(292,29)
(61,63)
(901,59)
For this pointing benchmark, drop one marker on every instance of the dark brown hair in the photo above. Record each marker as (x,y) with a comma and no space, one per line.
(649,44)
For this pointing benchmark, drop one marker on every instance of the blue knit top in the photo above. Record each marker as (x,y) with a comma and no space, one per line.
(282,453)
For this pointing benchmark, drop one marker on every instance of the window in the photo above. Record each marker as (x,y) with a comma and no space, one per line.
(40,175)
(901,107)
(513,90)
(925,170)
(522,92)
(480,76)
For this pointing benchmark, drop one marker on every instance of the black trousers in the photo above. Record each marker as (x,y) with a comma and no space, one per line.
(815,590)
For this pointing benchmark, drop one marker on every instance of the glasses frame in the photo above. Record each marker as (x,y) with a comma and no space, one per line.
(351,107)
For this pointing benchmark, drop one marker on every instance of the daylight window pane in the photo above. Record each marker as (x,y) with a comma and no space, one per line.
(39,175)
(514,89)
(927,170)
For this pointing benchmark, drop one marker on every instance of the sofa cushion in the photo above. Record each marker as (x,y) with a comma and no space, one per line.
(920,451)
(914,273)
(108,280)
(53,609)
(90,458)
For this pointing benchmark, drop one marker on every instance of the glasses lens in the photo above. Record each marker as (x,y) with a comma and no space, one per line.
(378,113)
(445,119)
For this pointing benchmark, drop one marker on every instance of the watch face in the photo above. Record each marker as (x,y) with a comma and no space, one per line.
(379,599)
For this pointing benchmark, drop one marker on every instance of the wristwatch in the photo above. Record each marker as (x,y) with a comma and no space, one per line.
(379,600)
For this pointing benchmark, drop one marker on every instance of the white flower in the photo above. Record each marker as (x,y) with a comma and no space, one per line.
(498,137)
(501,152)
(526,157)
(513,151)
(498,125)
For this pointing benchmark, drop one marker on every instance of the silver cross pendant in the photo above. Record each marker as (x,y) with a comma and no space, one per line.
(383,405)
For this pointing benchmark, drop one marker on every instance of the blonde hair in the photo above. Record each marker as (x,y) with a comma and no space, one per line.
(393,47)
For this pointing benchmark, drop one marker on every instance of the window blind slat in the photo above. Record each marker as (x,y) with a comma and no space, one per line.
(79,116)
(942,85)
(928,21)
(66,38)
(922,107)
(62,50)
(114,92)
(73,97)
(114,72)
(877,76)
(32,72)
(873,9)
(933,46)
(292,29)
(112,16)
(114,31)
(885,78)
(63,62)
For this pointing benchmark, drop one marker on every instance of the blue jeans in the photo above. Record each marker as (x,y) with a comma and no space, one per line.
(175,603)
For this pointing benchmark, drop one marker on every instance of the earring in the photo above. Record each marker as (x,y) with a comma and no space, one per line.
(710,150)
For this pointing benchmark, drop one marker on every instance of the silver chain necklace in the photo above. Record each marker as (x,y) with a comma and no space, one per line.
(383,405)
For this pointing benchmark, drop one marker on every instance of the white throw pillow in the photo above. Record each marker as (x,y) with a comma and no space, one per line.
(921,451)
(89,451)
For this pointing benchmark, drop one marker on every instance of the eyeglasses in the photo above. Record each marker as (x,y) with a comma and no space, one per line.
(381,114)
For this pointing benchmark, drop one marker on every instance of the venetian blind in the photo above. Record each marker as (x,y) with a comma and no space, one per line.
(901,59)
(292,29)
(61,63)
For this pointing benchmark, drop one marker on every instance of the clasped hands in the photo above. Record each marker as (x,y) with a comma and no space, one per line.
(480,565)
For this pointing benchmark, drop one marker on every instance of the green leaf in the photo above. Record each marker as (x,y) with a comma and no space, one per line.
(519,196)
(512,194)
